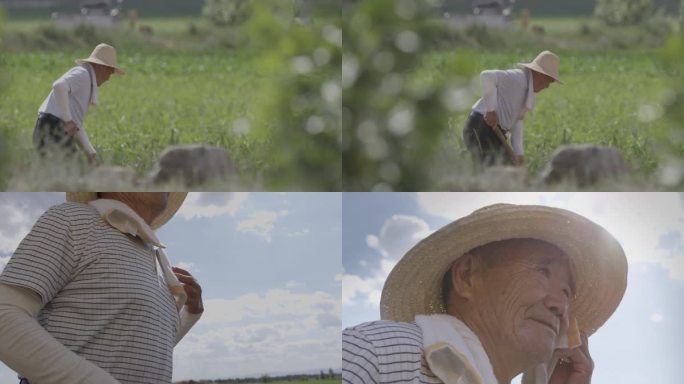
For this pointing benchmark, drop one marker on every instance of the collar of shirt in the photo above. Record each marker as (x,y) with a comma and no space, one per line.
(126,220)
(530,97)
(453,352)
(93,82)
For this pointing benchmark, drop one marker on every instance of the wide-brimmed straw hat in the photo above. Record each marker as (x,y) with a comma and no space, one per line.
(103,54)
(175,201)
(597,261)
(547,63)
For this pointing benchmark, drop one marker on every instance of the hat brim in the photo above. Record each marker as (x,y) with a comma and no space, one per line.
(597,261)
(91,60)
(539,69)
(175,201)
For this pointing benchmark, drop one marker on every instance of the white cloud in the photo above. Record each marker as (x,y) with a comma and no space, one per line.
(211,204)
(261,223)
(293,284)
(302,232)
(19,211)
(656,318)
(398,234)
(293,332)
(649,226)
(3,262)
(457,205)
(186,265)
(275,302)
(257,349)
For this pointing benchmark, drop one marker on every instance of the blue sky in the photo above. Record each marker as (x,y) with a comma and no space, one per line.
(269,265)
(639,344)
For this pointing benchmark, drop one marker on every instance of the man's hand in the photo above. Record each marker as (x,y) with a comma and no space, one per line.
(92,159)
(70,128)
(491,119)
(518,160)
(192,289)
(575,365)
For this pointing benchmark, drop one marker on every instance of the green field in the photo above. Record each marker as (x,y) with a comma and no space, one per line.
(271,381)
(621,83)
(325,381)
(163,99)
(611,98)
(187,83)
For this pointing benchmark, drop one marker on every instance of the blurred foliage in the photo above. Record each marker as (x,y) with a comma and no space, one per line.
(623,12)
(300,113)
(6,134)
(672,141)
(236,12)
(393,120)
(226,12)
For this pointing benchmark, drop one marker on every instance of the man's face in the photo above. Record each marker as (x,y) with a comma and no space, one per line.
(155,202)
(102,73)
(540,81)
(524,296)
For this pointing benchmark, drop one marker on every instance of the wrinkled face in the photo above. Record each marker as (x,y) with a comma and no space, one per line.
(540,81)
(524,294)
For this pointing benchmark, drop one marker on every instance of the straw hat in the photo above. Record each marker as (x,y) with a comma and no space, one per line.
(547,63)
(596,259)
(103,54)
(175,201)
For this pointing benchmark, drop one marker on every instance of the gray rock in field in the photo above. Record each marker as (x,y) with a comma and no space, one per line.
(192,165)
(585,164)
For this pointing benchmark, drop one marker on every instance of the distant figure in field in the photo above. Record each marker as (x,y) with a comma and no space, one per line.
(60,117)
(507,95)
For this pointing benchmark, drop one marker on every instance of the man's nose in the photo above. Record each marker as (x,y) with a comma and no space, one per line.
(557,301)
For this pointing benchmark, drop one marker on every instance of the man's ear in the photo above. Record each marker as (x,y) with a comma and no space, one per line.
(462,276)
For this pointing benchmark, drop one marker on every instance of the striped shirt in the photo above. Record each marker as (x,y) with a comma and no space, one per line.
(385,352)
(103,297)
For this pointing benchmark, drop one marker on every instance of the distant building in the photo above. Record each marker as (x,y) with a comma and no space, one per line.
(28,3)
(490,13)
(100,13)
(499,8)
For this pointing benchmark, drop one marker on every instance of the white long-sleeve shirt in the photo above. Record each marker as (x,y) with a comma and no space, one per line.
(70,97)
(510,93)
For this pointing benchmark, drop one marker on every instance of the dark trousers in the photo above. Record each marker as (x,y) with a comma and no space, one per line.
(49,134)
(481,141)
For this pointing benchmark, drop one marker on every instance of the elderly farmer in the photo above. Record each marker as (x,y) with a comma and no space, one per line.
(89,295)
(506,97)
(60,117)
(506,290)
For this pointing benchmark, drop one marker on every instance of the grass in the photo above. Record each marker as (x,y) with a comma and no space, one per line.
(164,99)
(611,98)
(324,381)
(272,381)
(189,95)
(163,26)
(189,83)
